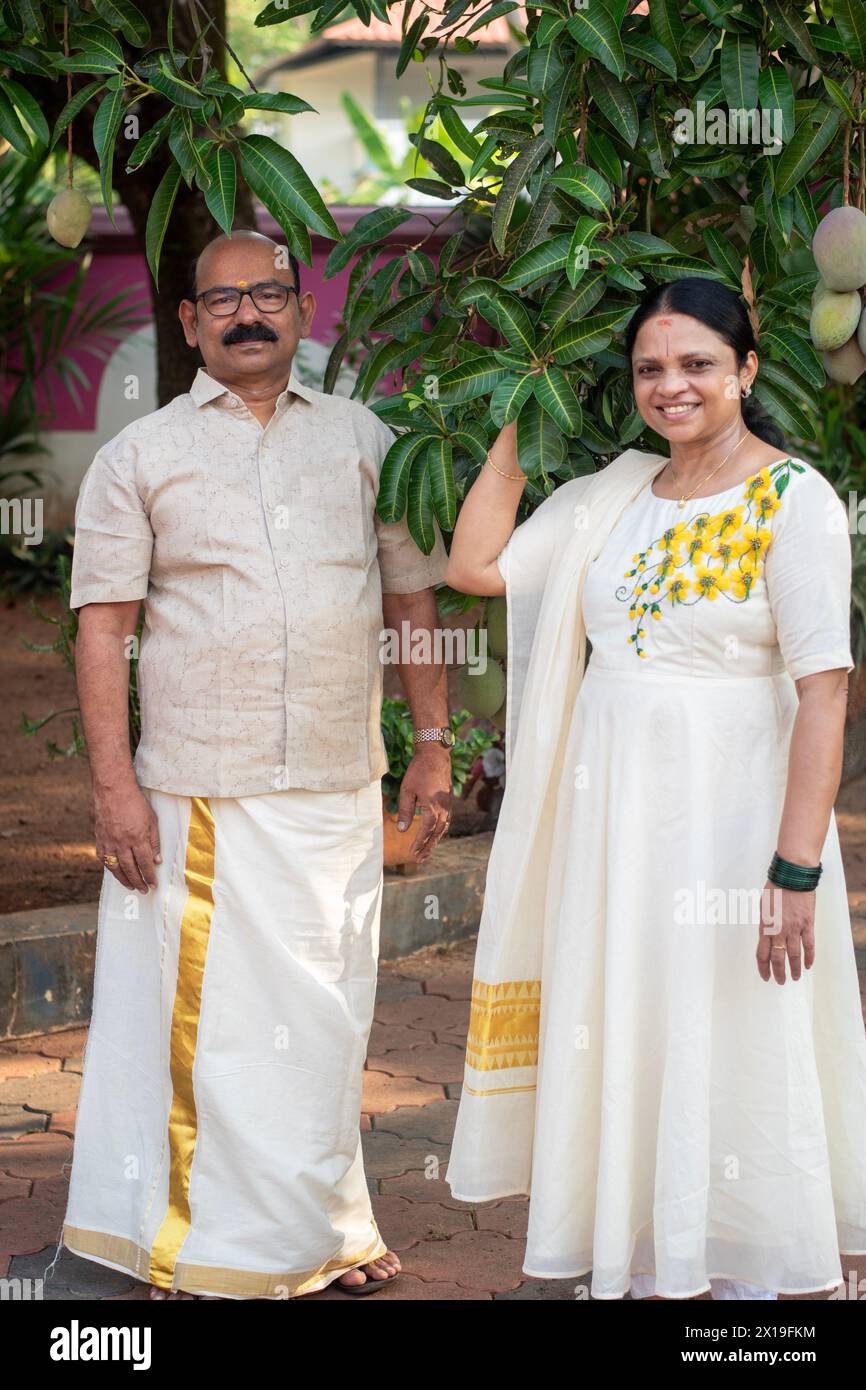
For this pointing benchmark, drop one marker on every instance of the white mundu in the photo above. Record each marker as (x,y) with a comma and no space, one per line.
(679,1123)
(217,1145)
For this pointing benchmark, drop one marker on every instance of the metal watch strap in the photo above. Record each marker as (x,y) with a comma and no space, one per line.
(429,735)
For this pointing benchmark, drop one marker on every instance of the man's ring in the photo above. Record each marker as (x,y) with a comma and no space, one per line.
(110,859)
(778,948)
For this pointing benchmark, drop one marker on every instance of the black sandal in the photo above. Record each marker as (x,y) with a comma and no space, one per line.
(370,1286)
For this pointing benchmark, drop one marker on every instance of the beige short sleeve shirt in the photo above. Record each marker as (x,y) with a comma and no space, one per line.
(262,563)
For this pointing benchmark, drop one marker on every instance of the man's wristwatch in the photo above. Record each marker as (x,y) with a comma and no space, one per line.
(445,736)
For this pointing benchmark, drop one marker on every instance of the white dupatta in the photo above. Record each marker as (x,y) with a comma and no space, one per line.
(545,563)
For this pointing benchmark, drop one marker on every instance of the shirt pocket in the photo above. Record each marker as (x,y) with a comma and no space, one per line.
(333,525)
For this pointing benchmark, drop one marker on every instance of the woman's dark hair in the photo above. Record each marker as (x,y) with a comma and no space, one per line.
(721,309)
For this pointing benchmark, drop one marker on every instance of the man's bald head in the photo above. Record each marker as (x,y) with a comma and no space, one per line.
(199,267)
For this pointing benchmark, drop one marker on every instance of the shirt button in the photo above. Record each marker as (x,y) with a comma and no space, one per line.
(284,564)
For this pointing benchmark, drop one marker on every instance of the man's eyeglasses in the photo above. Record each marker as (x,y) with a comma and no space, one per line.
(270,297)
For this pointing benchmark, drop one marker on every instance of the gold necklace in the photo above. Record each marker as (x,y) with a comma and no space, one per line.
(685,497)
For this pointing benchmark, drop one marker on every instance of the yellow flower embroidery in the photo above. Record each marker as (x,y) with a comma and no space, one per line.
(723,552)
(710,583)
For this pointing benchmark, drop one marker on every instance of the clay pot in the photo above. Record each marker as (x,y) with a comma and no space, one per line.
(397,844)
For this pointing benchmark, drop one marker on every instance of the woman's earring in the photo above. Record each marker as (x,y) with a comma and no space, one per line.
(747,391)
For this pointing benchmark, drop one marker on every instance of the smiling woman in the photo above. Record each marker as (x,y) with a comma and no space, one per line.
(715,1124)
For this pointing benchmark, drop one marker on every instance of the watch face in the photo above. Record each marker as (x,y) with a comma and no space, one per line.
(448,737)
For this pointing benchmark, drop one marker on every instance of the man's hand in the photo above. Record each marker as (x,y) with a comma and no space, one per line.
(427,781)
(126,826)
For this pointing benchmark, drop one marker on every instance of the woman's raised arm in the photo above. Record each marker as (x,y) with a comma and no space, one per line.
(486,520)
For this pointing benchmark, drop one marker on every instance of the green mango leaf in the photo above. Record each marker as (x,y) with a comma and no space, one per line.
(805,214)
(406,313)
(584,184)
(440,471)
(849,17)
(276,177)
(419,506)
(77,103)
(839,96)
(394,474)
(739,71)
(150,140)
(189,150)
(513,181)
(541,445)
(220,193)
(555,394)
(668,29)
(724,256)
(106,124)
(373,227)
(588,336)
(475,377)
(797,351)
(536,264)
(779,404)
(809,143)
(505,311)
(275,101)
(455,128)
(685,265)
(649,50)
(568,302)
(595,29)
(96,40)
(509,397)
(615,101)
(158,217)
(554,107)
(29,108)
(440,159)
(775,93)
(789,382)
(122,15)
(11,128)
(163,79)
(472,439)
(792,28)
(601,152)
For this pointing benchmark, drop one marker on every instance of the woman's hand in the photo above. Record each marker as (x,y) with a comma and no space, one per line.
(787,920)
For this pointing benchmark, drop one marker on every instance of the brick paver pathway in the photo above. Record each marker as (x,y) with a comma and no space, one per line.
(449,1249)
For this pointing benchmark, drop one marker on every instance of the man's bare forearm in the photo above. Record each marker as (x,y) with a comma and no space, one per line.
(425,683)
(102,676)
(126,827)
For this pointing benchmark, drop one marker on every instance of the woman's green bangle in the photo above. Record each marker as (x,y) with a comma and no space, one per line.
(801,877)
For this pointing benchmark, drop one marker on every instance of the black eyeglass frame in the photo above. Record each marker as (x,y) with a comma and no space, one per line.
(263,284)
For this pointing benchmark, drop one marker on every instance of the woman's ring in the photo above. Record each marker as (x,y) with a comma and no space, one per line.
(110,859)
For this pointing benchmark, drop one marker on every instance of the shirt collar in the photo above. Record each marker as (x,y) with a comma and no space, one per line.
(205,388)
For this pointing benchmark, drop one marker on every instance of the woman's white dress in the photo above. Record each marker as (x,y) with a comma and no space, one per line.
(692,1120)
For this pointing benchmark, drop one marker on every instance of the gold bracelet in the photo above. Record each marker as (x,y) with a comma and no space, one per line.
(516,477)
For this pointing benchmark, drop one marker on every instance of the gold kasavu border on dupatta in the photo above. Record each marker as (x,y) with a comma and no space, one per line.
(183,1118)
(503,1026)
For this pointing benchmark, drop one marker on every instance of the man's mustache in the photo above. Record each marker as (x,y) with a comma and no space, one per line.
(249,333)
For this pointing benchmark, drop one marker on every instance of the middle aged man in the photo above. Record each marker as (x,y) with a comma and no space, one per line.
(217,1148)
